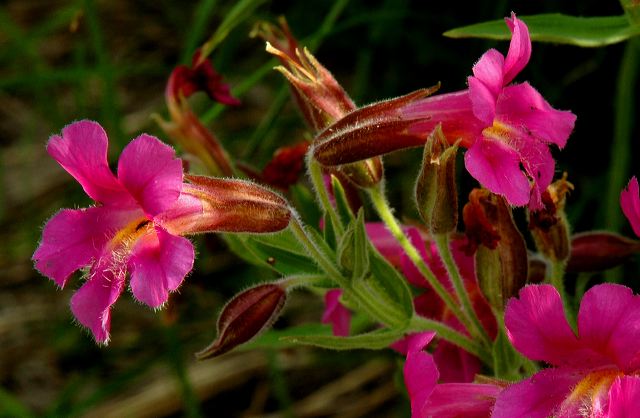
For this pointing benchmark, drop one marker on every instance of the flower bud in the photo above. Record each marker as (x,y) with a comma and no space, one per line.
(370,131)
(230,205)
(501,257)
(436,193)
(549,226)
(599,250)
(245,316)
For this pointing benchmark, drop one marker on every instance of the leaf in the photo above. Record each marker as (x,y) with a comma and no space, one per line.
(557,28)
(282,338)
(342,202)
(374,340)
(260,254)
(353,248)
(506,360)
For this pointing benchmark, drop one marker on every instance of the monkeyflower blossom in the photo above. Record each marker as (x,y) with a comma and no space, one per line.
(138,221)
(505,127)
(594,373)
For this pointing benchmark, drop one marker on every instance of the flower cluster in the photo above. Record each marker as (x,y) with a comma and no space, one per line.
(481,314)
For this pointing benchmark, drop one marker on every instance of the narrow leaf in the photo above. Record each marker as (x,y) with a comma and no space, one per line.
(557,28)
(375,340)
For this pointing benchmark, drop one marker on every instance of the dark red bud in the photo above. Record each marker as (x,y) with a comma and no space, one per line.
(244,317)
(286,167)
(369,131)
(599,250)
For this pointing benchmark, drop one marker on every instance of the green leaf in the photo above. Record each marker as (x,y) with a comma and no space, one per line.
(238,13)
(353,248)
(284,240)
(374,340)
(281,338)
(261,254)
(557,28)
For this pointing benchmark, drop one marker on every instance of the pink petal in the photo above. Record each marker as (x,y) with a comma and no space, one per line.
(82,151)
(609,325)
(455,400)
(537,327)
(486,84)
(385,243)
(74,238)
(420,373)
(519,48)
(540,396)
(335,314)
(151,172)
(624,397)
(630,203)
(91,304)
(537,162)
(522,106)
(497,167)
(454,364)
(158,263)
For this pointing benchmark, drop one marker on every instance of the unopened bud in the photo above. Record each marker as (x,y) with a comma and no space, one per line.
(436,194)
(549,226)
(245,316)
(599,250)
(538,268)
(370,131)
(230,205)
(501,266)
(364,174)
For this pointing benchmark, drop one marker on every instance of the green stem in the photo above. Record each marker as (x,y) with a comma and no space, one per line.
(302,280)
(419,323)
(557,280)
(442,241)
(384,211)
(315,172)
(316,253)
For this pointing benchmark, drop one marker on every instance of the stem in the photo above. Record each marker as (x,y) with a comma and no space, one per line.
(442,241)
(302,280)
(316,253)
(557,280)
(315,172)
(384,211)
(419,323)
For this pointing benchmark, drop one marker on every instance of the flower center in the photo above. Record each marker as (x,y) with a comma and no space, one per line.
(592,390)
(123,240)
(499,131)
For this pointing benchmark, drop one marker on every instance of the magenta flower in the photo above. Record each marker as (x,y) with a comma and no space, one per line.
(447,400)
(630,203)
(593,374)
(503,126)
(125,231)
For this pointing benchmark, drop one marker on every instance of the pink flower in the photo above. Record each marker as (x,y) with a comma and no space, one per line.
(510,125)
(124,232)
(336,314)
(594,374)
(630,203)
(448,400)
(503,126)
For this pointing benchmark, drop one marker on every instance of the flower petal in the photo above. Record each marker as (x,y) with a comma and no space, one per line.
(73,238)
(455,364)
(497,167)
(522,106)
(519,48)
(159,262)
(469,400)
(82,151)
(420,373)
(91,304)
(485,85)
(630,203)
(609,325)
(624,397)
(537,327)
(151,172)
(540,396)
(335,314)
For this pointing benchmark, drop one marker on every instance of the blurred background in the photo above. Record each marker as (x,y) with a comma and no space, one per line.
(109,61)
